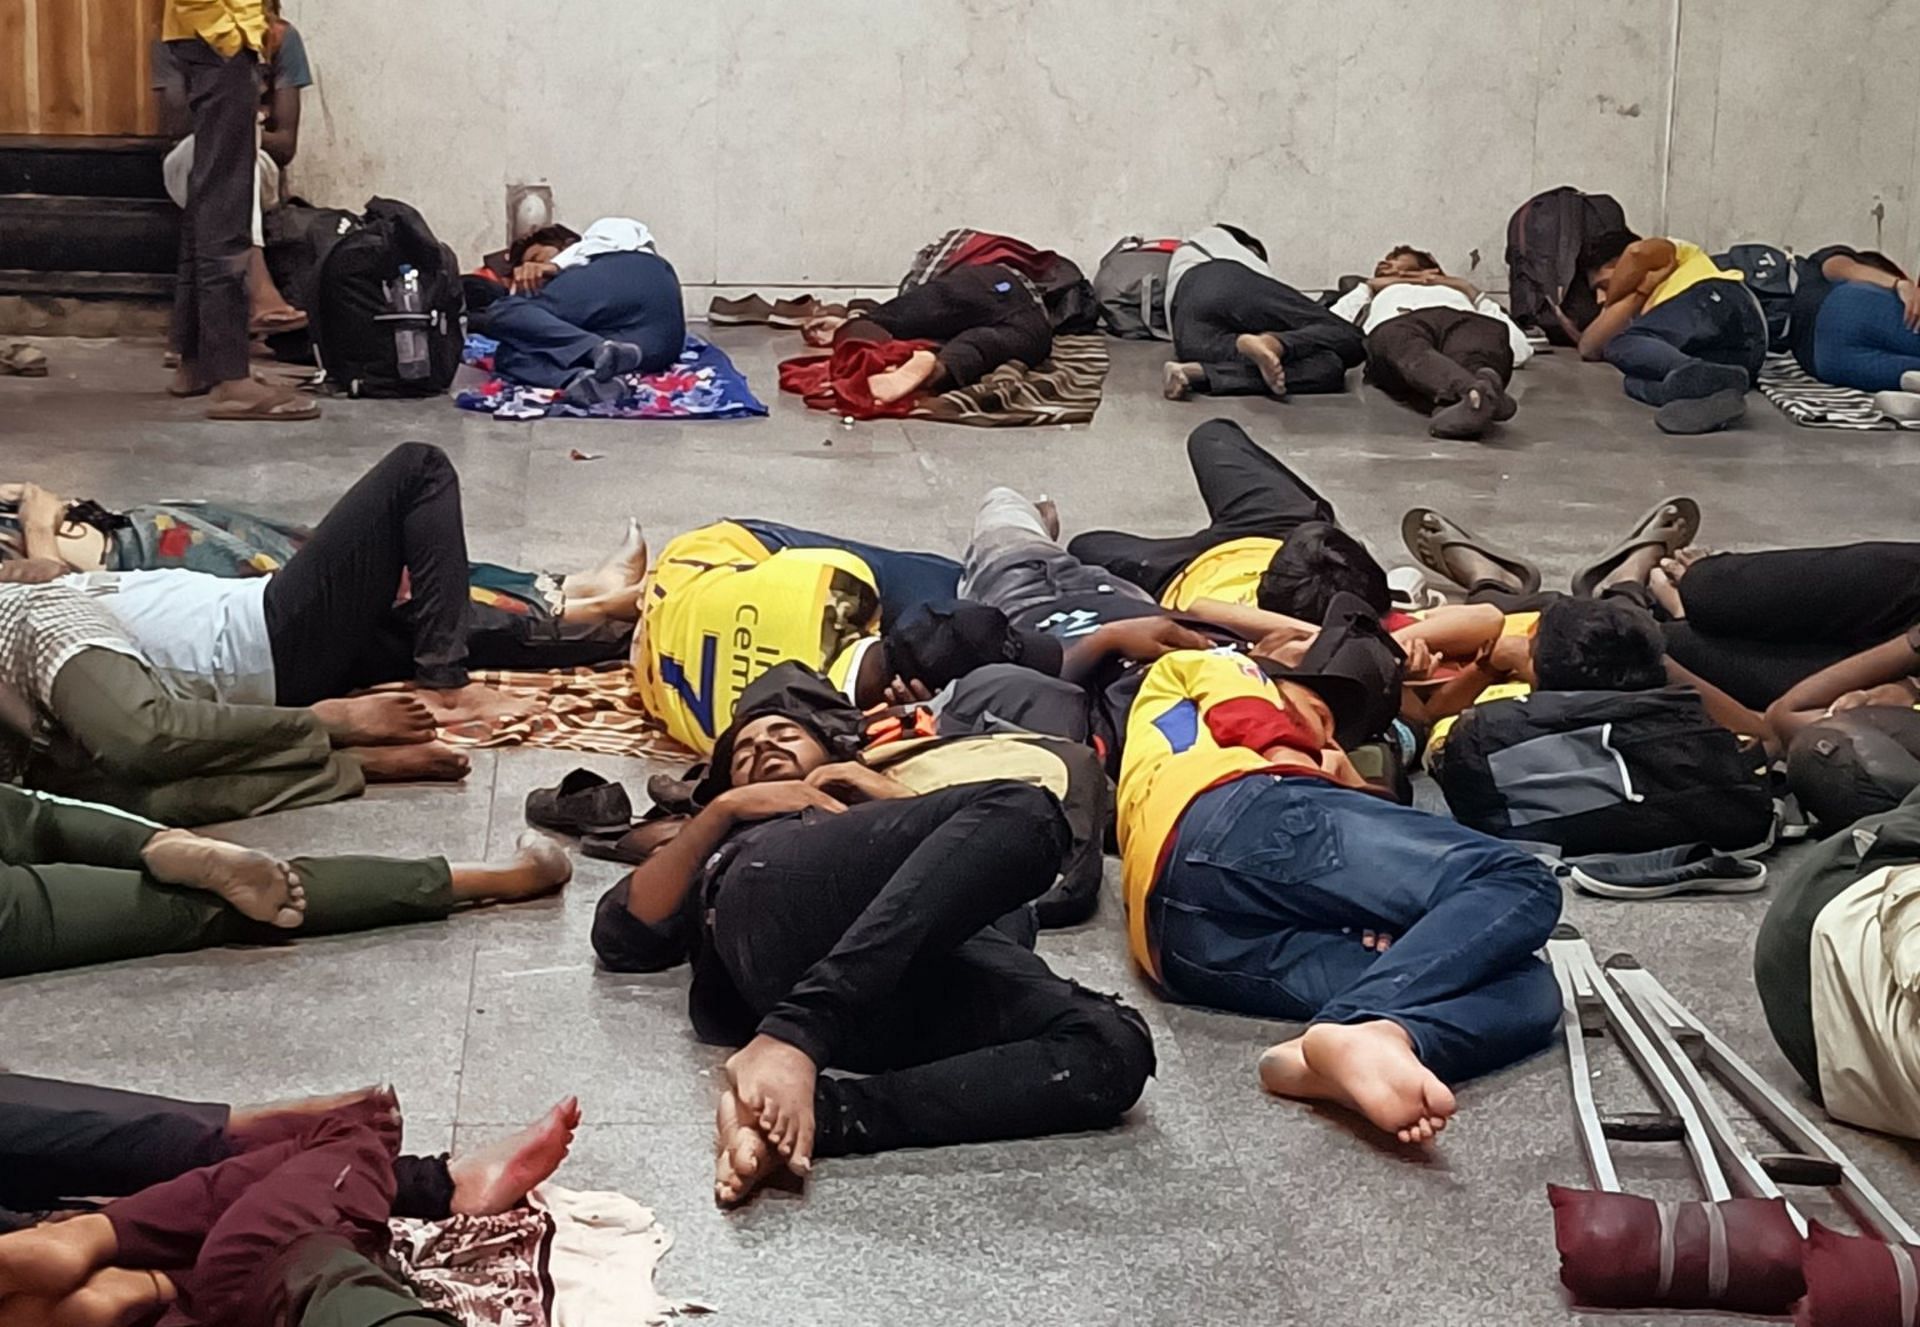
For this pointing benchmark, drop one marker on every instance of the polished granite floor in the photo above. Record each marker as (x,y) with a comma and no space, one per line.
(1213,1204)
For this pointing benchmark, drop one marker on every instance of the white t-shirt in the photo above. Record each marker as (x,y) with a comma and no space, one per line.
(1368,310)
(1213,243)
(205,636)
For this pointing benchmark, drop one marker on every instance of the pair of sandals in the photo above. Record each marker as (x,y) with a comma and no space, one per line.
(20,360)
(1672,525)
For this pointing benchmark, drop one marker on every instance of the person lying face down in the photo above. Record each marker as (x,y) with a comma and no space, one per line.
(1436,342)
(982,316)
(836,920)
(1261,876)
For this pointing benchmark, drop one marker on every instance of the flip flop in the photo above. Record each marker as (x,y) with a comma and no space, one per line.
(21,360)
(283,409)
(269,324)
(1672,524)
(1428,535)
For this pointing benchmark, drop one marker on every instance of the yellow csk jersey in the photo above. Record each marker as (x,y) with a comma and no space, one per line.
(720,610)
(1516,624)
(1229,572)
(1694,266)
(1186,733)
(225,25)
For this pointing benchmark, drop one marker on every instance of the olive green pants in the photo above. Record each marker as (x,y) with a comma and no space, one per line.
(324,1281)
(73,892)
(128,742)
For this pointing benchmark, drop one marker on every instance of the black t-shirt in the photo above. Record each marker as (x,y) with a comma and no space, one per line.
(1071,616)
(1810,291)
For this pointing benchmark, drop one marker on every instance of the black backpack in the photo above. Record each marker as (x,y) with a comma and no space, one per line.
(1604,772)
(1546,288)
(298,238)
(353,329)
(1770,277)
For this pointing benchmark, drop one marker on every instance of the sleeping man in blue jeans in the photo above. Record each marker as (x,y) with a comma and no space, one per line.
(1262,876)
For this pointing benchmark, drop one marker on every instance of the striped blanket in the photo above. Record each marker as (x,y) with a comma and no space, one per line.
(1817,405)
(586,709)
(1064,390)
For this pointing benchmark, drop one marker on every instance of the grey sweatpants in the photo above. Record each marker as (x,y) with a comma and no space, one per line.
(1013,564)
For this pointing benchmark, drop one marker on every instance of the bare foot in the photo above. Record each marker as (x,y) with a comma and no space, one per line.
(1636,568)
(819,331)
(775,1082)
(112,1298)
(625,567)
(1049,516)
(498,1176)
(186,381)
(900,383)
(255,884)
(742,1158)
(539,866)
(1177,379)
(387,719)
(1371,1068)
(421,762)
(1264,349)
(1661,585)
(475,702)
(53,1261)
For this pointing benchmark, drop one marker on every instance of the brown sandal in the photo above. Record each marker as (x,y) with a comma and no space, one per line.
(285,407)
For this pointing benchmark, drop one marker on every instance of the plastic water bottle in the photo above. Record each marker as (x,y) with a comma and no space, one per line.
(409,329)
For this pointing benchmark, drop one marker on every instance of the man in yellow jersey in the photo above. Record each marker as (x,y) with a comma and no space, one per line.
(1261,876)
(216,45)
(1270,541)
(1687,333)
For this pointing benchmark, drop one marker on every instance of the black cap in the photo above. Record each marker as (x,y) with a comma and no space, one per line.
(1355,666)
(794,691)
(934,643)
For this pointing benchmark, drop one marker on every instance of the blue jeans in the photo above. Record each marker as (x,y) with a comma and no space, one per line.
(1716,321)
(1861,339)
(1271,880)
(545,339)
(905,579)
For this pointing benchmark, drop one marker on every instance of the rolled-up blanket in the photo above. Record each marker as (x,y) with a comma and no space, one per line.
(1619,1251)
(1858,1281)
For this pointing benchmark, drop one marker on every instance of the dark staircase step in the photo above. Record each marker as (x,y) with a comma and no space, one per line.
(82,167)
(87,285)
(44,233)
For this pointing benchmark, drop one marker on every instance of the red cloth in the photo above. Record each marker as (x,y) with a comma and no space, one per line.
(1852,1280)
(1610,1253)
(1022,257)
(838,381)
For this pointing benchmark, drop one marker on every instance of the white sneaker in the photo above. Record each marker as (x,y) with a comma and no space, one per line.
(1910,381)
(1899,405)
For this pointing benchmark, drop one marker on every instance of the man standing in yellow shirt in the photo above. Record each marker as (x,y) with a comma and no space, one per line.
(1687,333)
(217,45)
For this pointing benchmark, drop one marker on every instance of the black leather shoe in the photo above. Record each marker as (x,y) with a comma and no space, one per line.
(584,803)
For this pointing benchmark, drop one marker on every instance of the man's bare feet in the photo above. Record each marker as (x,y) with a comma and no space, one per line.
(1177,379)
(1636,568)
(539,866)
(53,1261)
(498,1176)
(743,1160)
(1370,1068)
(819,331)
(898,384)
(186,381)
(626,566)
(255,884)
(420,762)
(387,718)
(114,1297)
(775,1082)
(474,702)
(1264,350)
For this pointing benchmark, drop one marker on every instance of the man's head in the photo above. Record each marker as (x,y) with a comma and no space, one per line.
(774,747)
(1405,260)
(1248,239)
(1600,252)
(542,245)
(1316,562)
(935,643)
(1598,645)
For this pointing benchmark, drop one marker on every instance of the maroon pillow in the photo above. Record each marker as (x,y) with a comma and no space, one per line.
(1859,1281)
(1611,1252)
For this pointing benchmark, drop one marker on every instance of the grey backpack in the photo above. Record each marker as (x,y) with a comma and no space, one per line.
(1131,289)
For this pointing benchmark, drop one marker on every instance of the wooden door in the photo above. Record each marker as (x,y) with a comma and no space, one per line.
(77,66)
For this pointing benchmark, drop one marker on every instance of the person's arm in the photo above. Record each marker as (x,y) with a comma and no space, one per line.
(281,137)
(1722,708)
(40,515)
(658,887)
(1455,631)
(1139,639)
(1840,267)
(1247,621)
(1613,320)
(1813,698)
(1459,283)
